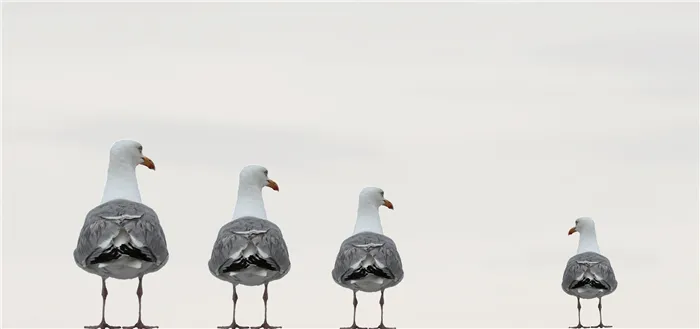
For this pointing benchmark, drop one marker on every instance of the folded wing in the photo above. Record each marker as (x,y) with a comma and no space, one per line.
(121,232)
(367,255)
(589,271)
(247,243)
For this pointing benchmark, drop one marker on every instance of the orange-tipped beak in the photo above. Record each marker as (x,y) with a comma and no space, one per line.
(572,230)
(388,204)
(148,163)
(271,184)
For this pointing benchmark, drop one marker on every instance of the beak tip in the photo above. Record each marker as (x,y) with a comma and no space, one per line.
(388,204)
(148,163)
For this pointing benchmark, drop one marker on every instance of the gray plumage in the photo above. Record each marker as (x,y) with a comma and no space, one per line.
(588,275)
(245,243)
(121,239)
(368,262)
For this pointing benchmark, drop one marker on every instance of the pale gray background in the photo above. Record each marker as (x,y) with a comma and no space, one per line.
(490,126)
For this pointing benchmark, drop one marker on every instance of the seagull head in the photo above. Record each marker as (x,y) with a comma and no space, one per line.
(257,176)
(582,224)
(129,153)
(374,196)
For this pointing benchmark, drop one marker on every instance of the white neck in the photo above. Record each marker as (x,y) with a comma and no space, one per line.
(368,219)
(249,203)
(587,241)
(121,183)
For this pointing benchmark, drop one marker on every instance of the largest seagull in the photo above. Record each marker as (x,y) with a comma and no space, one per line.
(250,250)
(122,237)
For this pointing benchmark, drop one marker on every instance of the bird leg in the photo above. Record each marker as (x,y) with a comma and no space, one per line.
(578,302)
(354,312)
(139,324)
(265,325)
(103,324)
(600,313)
(381,306)
(233,325)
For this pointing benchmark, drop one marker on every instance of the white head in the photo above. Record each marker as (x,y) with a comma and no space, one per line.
(584,225)
(128,153)
(124,156)
(254,176)
(251,181)
(587,240)
(371,198)
(374,198)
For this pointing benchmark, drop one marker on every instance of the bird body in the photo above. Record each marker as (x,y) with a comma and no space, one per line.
(588,274)
(122,238)
(368,260)
(249,251)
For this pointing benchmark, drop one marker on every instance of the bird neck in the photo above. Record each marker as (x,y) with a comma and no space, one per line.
(249,203)
(368,219)
(588,241)
(121,183)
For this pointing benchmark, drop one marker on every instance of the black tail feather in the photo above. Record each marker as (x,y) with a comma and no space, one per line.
(113,253)
(588,282)
(128,249)
(107,255)
(237,265)
(243,263)
(356,275)
(262,263)
(382,273)
(364,271)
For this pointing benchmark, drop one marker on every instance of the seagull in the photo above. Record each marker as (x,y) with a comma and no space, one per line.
(250,250)
(588,274)
(368,260)
(122,237)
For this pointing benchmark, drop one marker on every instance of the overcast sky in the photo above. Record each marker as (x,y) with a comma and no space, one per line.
(491,127)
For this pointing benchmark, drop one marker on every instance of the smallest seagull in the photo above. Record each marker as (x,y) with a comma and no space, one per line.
(368,260)
(588,274)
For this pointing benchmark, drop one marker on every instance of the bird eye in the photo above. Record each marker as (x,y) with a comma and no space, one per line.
(381,193)
(140,148)
(265,172)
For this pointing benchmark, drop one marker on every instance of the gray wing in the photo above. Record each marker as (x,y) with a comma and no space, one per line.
(235,236)
(96,235)
(273,244)
(224,245)
(148,235)
(104,222)
(589,268)
(355,248)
